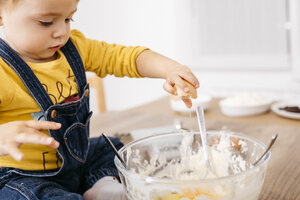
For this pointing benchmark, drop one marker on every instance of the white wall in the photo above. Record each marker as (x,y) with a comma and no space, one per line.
(164,27)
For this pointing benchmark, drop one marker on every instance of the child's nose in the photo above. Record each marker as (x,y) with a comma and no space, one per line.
(61,31)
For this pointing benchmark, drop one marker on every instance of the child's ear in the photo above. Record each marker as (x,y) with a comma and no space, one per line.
(1,19)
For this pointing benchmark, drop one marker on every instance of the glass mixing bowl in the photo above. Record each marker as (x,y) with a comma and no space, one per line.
(147,159)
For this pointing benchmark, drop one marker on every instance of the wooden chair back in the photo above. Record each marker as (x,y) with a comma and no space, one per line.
(97,83)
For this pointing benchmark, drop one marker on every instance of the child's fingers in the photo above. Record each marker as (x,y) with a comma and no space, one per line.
(52,143)
(186,87)
(191,78)
(169,88)
(179,83)
(187,102)
(43,125)
(13,151)
(30,135)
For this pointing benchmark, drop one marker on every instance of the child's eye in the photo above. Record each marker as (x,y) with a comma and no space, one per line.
(68,20)
(43,23)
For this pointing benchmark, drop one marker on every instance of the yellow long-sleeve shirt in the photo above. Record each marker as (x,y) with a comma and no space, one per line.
(16,103)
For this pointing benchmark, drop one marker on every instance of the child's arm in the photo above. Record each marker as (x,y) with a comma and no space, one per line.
(13,134)
(154,65)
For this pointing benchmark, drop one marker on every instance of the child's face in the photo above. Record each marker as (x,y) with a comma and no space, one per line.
(36,29)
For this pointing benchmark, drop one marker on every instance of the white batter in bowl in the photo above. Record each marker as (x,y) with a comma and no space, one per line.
(171,167)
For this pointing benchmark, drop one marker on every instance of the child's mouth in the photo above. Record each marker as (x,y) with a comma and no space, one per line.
(55,48)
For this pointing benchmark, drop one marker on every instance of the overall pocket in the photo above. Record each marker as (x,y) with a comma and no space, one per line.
(76,138)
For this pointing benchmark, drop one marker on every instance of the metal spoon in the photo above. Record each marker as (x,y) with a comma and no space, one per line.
(266,151)
(114,149)
(202,129)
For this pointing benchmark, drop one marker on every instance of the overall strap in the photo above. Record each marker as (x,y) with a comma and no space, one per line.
(26,74)
(71,53)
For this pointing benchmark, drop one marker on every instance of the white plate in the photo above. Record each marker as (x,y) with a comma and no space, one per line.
(276,109)
(245,104)
(179,106)
(239,111)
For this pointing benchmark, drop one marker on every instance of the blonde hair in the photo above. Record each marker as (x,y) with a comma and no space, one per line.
(11,2)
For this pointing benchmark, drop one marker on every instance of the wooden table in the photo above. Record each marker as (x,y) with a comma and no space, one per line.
(282,181)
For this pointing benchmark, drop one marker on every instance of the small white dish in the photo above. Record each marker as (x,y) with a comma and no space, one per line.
(277,108)
(179,106)
(244,105)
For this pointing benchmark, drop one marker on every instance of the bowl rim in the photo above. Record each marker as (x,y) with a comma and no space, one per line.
(150,179)
(265,104)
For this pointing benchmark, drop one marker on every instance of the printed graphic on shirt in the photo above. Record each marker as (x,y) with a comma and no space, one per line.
(62,90)
(47,157)
(75,97)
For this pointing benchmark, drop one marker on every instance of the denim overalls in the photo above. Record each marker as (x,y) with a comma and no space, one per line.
(84,160)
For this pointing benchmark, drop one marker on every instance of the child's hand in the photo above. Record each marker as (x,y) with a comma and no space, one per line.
(182,82)
(153,65)
(13,134)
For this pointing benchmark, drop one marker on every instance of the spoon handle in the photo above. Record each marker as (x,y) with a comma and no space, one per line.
(114,149)
(202,129)
(266,151)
